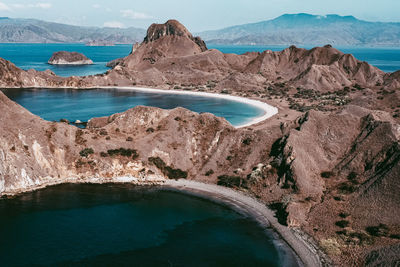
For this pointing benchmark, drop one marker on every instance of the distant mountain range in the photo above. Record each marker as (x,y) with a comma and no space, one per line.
(37,31)
(289,29)
(306,29)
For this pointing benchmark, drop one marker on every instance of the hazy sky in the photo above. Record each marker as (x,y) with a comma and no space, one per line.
(197,15)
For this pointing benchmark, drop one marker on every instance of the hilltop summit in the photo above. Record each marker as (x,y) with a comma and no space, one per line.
(172,28)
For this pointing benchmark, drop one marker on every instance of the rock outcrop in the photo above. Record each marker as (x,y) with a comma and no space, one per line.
(69,58)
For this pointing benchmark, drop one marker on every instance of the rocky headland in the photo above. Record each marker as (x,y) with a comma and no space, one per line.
(328,163)
(69,58)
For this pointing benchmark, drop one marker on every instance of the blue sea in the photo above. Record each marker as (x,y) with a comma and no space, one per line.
(35,56)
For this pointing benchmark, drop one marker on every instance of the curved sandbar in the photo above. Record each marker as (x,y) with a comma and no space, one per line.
(306,254)
(269,110)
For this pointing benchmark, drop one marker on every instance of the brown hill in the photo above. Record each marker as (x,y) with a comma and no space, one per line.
(322,168)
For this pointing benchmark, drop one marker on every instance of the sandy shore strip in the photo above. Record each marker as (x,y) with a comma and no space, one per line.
(305,253)
(268,110)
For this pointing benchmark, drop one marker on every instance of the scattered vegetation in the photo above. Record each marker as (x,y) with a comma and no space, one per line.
(209,172)
(352,177)
(378,231)
(326,174)
(342,223)
(247,141)
(346,188)
(280,212)
(86,152)
(103,132)
(232,181)
(79,137)
(168,171)
(124,152)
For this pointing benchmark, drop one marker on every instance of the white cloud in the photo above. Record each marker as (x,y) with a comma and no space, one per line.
(129,13)
(4,7)
(37,5)
(113,24)
(96,6)
(43,5)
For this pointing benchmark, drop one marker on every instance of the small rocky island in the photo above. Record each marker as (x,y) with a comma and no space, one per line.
(69,58)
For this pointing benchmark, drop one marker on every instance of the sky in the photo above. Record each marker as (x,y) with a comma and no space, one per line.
(194,14)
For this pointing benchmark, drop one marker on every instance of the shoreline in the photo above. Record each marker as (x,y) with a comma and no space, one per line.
(268,110)
(295,248)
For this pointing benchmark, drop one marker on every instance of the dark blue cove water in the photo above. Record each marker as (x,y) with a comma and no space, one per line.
(386,59)
(56,104)
(35,56)
(122,225)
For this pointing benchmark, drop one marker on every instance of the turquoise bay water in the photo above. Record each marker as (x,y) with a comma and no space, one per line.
(56,104)
(122,225)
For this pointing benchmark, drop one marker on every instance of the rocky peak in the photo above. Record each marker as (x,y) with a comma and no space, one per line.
(171,28)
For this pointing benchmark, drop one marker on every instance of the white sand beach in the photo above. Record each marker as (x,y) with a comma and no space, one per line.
(268,110)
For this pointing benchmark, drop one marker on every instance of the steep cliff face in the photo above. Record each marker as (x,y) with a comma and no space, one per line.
(343,171)
(172,28)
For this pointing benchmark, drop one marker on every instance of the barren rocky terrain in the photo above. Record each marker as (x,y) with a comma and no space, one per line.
(328,163)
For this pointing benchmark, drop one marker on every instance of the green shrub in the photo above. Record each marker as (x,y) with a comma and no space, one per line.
(280,212)
(231,181)
(209,172)
(168,171)
(326,174)
(247,141)
(342,223)
(346,188)
(124,152)
(86,152)
(380,230)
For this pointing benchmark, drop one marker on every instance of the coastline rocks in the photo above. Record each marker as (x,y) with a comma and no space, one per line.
(69,58)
